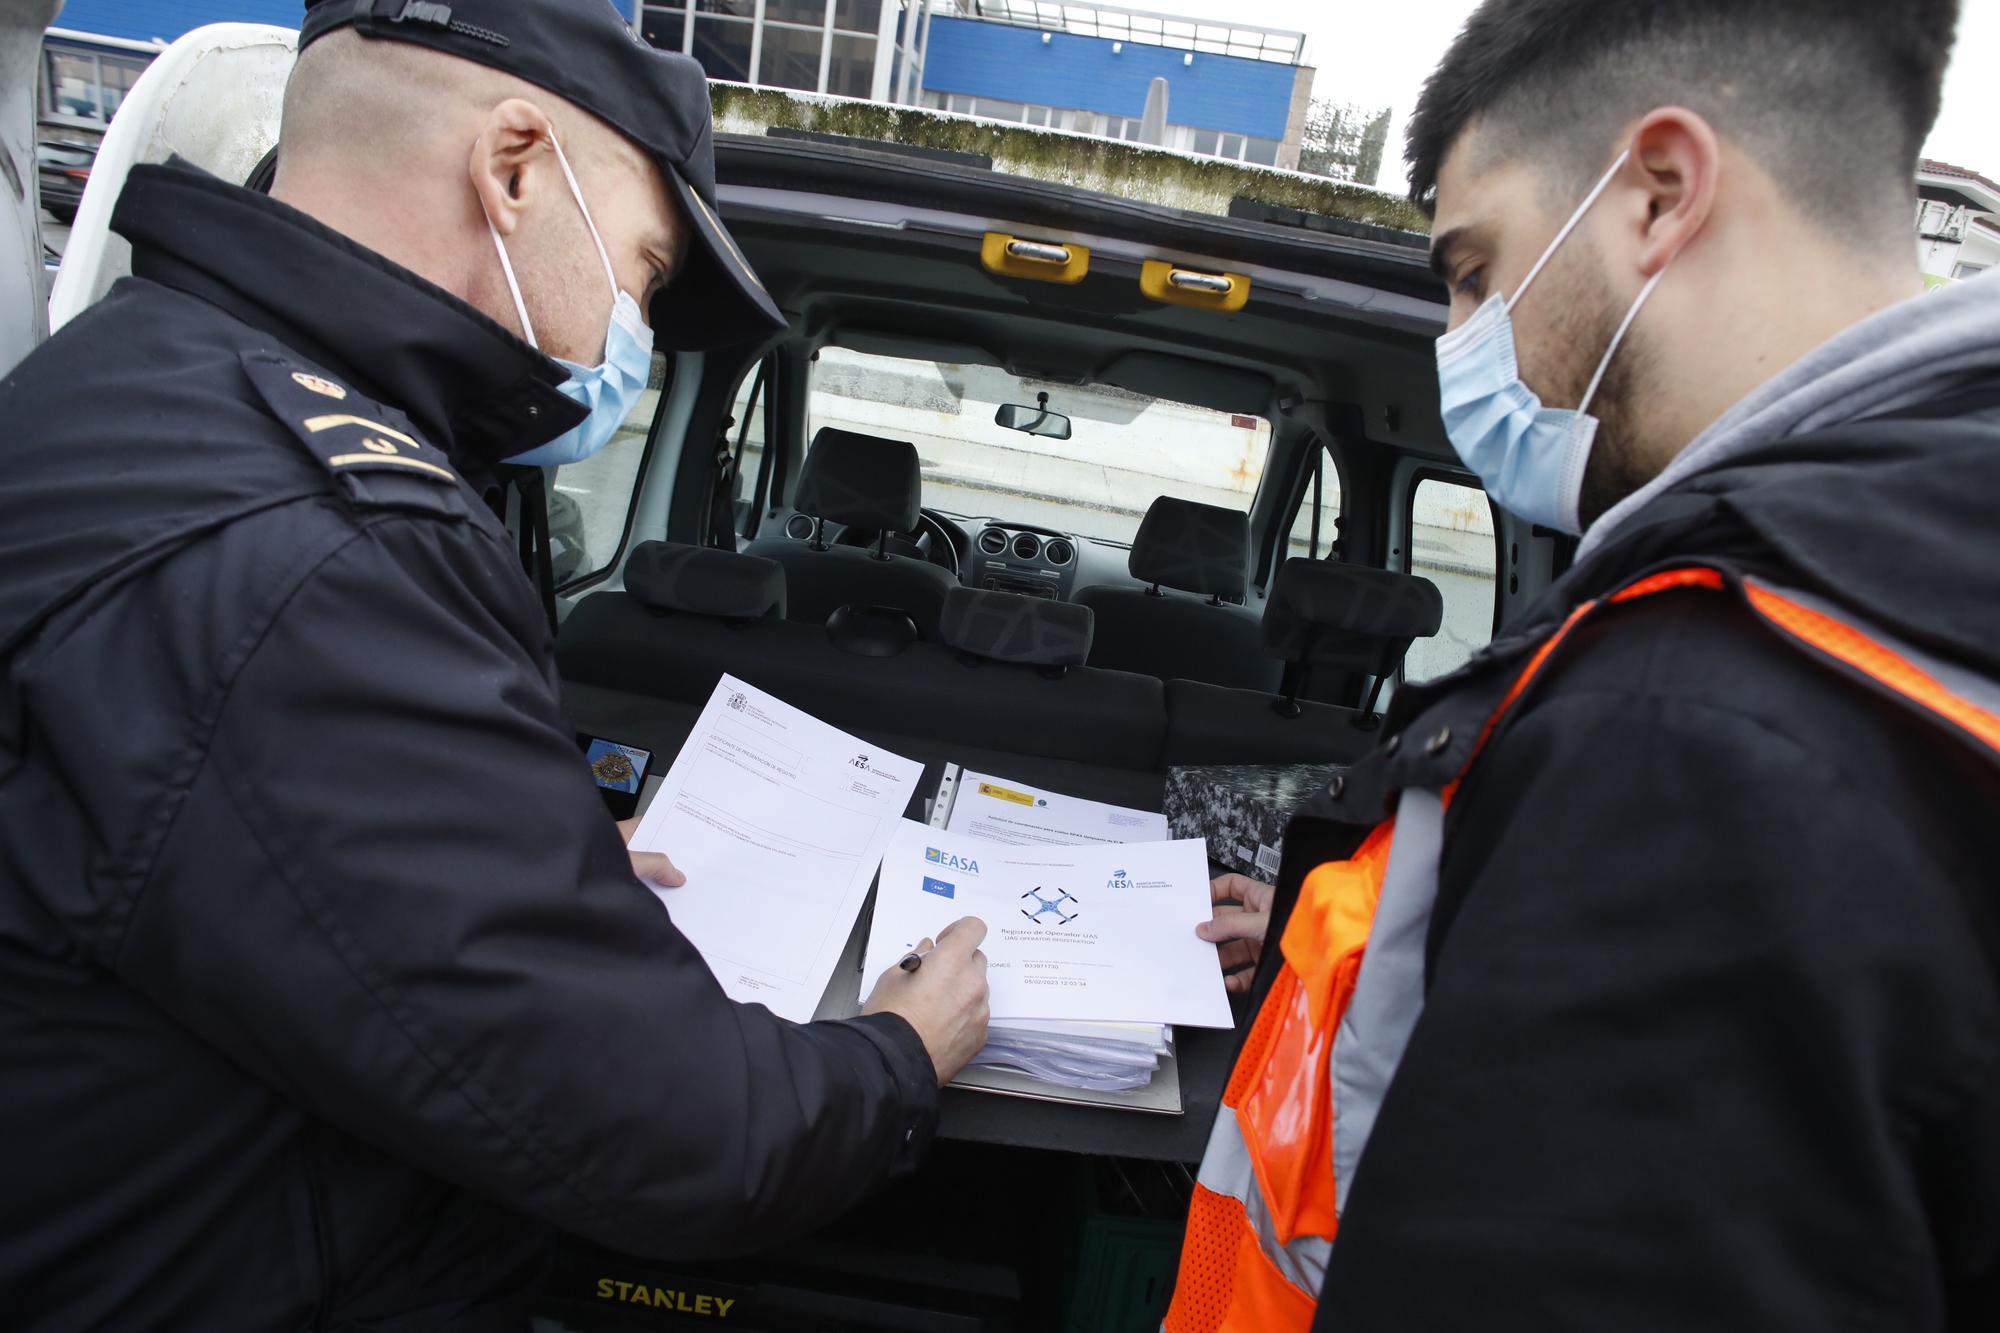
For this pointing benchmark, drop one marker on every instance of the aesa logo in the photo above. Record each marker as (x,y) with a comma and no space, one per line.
(964,865)
(1118,881)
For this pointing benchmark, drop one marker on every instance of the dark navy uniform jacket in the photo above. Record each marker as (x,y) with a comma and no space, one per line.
(326,990)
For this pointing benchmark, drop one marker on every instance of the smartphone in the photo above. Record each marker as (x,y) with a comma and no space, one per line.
(618,770)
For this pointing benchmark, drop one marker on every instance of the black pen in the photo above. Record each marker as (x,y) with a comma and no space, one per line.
(914,959)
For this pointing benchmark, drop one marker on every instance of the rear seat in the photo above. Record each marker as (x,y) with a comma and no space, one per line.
(1197,631)
(1007,676)
(1321,614)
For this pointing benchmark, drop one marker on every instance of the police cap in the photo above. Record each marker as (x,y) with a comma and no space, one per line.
(586,53)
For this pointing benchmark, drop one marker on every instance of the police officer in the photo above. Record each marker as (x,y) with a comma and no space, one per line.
(326,987)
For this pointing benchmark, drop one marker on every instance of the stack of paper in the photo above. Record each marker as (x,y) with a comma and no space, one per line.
(1091,951)
(1096,1057)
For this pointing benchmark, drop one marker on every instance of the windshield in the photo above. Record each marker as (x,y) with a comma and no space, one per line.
(1124,450)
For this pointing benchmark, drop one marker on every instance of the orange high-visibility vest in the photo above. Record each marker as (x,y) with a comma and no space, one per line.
(1299,1106)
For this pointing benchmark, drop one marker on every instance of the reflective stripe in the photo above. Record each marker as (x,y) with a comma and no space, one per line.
(1963,698)
(1226,1170)
(1225,1163)
(1390,993)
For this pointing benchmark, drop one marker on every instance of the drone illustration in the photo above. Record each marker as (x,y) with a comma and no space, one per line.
(1045,905)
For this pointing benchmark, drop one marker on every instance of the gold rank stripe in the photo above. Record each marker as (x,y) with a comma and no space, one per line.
(395,460)
(328,422)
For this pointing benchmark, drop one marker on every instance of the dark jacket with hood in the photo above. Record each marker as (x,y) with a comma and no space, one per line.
(1711,1032)
(326,989)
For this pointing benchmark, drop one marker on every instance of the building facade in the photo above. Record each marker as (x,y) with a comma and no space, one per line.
(1958,222)
(1232,91)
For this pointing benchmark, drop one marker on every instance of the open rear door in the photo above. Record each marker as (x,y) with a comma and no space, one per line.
(214,98)
(24,311)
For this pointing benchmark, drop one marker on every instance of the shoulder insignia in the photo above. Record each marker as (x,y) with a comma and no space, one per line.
(346,431)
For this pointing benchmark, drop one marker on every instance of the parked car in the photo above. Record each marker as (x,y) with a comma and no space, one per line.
(63,169)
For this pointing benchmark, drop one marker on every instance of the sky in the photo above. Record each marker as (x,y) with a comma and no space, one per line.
(1378,54)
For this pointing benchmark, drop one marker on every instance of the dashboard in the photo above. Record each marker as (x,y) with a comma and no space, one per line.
(989,552)
(1015,558)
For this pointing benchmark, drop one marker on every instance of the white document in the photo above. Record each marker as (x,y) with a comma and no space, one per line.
(779,822)
(1000,810)
(1099,933)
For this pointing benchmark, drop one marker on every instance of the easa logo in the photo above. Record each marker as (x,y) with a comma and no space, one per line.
(964,865)
(1118,881)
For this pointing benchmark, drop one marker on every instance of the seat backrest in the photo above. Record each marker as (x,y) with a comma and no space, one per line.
(702,581)
(1196,631)
(1005,681)
(213,98)
(1323,613)
(867,482)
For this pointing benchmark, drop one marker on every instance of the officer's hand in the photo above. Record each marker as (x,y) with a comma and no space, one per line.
(1242,915)
(650,867)
(945,999)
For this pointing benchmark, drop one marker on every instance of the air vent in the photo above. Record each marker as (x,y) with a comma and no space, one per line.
(798,527)
(1027,546)
(1058,552)
(993,541)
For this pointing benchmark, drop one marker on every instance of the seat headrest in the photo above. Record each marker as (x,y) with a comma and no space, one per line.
(1193,547)
(860,481)
(1332,614)
(1011,627)
(702,581)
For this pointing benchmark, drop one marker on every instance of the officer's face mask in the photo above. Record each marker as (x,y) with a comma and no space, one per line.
(610,389)
(1531,458)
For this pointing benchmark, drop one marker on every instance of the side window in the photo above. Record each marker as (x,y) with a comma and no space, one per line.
(590,503)
(1310,540)
(1452,545)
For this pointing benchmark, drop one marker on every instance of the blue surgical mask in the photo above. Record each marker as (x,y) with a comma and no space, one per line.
(1529,457)
(610,389)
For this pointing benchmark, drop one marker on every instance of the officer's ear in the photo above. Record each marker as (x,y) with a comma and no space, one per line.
(511,161)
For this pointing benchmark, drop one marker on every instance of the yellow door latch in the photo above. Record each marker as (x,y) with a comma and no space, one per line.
(1174,285)
(1043,261)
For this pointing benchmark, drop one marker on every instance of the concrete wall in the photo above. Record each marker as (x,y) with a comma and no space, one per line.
(1129,170)
(1295,120)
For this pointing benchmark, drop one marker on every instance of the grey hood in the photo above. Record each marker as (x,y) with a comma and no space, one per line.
(1924,348)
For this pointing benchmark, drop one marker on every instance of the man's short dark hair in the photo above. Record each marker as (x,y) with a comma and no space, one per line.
(1833,97)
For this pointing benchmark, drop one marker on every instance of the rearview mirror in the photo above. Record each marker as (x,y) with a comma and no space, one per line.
(1037,420)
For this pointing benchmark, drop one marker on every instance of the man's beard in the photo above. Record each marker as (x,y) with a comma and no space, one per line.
(1568,357)
(1616,466)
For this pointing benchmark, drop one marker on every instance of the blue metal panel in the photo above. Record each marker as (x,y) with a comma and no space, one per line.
(143,20)
(1215,92)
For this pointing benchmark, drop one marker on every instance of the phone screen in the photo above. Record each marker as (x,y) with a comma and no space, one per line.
(619,771)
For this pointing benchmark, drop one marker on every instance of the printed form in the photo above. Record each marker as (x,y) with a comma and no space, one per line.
(1002,811)
(1097,932)
(779,822)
